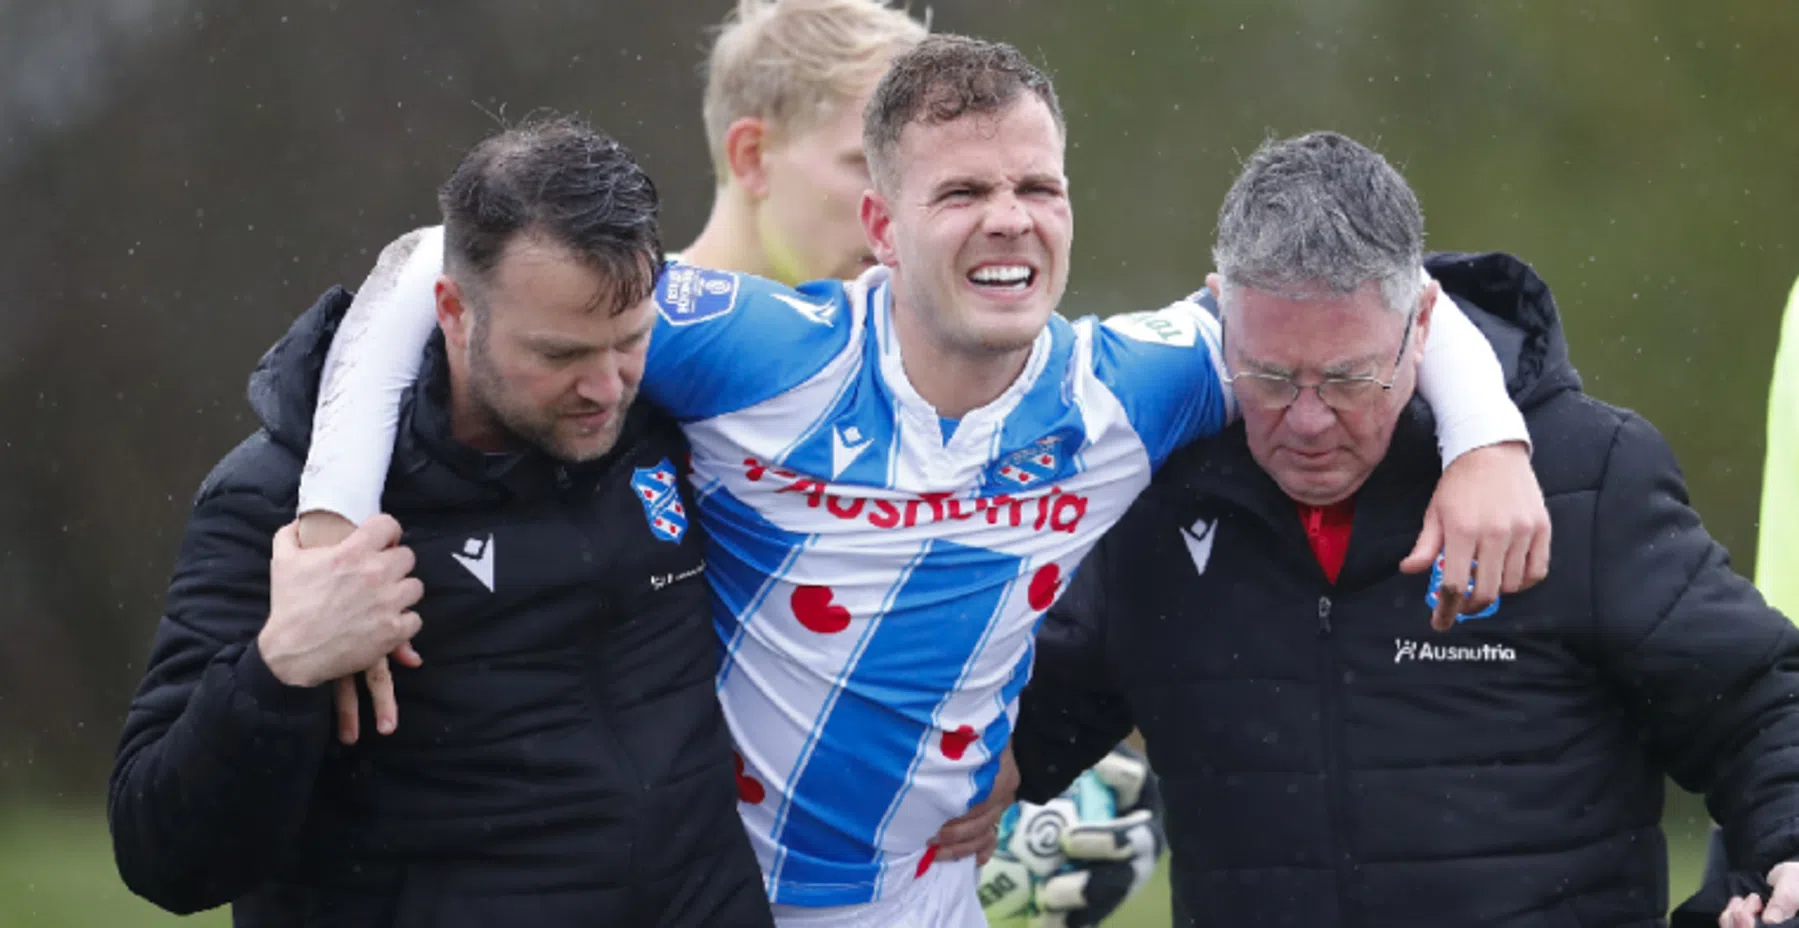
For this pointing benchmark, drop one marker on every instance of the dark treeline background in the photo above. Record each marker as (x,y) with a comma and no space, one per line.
(181,177)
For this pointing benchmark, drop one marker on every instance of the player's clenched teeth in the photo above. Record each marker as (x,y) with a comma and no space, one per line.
(1003,276)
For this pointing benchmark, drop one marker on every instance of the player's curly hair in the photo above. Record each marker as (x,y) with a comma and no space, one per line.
(789,62)
(556,178)
(945,78)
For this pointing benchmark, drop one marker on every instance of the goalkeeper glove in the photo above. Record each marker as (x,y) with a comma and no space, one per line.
(1111,858)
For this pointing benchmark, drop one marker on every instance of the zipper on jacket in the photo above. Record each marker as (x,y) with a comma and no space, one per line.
(584,512)
(1331,680)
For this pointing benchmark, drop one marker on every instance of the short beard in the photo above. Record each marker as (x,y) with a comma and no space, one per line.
(487,390)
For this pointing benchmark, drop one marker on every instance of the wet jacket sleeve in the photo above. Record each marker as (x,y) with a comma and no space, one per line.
(1071,714)
(218,757)
(1712,668)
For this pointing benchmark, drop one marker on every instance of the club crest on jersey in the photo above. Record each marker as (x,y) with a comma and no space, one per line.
(1030,467)
(689,294)
(657,489)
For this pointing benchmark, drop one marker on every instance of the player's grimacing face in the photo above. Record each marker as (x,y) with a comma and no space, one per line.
(549,362)
(981,225)
(815,178)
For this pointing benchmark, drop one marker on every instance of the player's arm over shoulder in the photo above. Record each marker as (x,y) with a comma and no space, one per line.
(726,341)
(374,356)
(1165,368)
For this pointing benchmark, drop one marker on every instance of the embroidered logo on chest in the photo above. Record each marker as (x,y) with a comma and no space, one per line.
(1043,461)
(658,489)
(1199,538)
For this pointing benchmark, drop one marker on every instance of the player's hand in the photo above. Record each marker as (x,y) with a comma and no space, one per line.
(1488,511)
(334,609)
(323,529)
(1112,858)
(977,831)
(1783,901)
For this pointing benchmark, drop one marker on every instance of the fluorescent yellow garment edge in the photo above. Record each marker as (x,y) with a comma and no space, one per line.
(1777,543)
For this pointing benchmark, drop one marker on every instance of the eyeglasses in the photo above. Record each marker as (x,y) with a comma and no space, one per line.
(1275,392)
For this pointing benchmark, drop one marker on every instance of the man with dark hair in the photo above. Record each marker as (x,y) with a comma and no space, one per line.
(521,224)
(1325,759)
(566,762)
(897,474)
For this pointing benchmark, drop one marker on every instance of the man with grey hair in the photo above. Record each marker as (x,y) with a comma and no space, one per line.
(1324,758)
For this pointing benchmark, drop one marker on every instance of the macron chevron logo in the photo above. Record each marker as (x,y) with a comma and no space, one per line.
(847,444)
(477,557)
(1199,540)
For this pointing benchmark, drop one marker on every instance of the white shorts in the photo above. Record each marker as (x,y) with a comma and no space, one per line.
(947,896)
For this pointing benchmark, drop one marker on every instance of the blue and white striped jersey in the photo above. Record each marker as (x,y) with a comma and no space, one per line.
(877,574)
(878,586)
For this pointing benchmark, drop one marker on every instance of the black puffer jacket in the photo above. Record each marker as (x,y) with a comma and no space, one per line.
(1328,760)
(561,758)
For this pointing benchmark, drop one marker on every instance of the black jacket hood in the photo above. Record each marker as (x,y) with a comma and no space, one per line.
(285,384)
(1513,308)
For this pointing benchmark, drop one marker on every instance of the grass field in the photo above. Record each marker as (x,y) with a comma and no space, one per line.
(56,871)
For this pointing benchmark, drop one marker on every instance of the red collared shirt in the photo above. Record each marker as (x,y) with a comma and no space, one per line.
(1327,529)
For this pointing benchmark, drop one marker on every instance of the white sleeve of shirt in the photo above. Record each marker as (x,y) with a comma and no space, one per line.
(1462,381)
(373,358)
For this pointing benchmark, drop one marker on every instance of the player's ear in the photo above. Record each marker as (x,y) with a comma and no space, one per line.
(877,227)
(454,316)
(746,145)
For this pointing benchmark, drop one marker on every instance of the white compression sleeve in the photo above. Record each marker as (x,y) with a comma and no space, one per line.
(1465,387)
(372,360)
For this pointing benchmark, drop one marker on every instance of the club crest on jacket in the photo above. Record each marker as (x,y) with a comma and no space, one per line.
(658,490)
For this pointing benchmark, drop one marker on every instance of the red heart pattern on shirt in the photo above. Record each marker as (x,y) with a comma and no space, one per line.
(748,788)
(955,743)
(812,605)
(1045,584)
